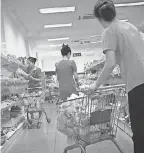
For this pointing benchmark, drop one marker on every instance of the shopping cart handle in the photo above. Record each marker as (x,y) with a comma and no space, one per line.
(112,87)
(34,88)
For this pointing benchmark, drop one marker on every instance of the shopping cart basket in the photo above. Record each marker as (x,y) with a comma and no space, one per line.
(91,119)
(34,102)
(52,95)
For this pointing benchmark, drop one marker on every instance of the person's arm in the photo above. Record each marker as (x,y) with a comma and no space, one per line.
(23,67)
(74,68)
(109,47)
(107,70)
(38,76)
(141,27)
(76,76)
(34,79)
(56,72)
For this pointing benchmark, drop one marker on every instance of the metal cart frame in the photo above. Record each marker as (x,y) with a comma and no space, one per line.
(32,108)
(98,119)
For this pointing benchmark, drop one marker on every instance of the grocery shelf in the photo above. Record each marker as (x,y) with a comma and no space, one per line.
(11,137)
(16,120)
(10,63)
(14,103)
(18,86)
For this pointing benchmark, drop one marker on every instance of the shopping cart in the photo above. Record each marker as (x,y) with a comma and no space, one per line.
(52,94)
(91,119)
(34,101)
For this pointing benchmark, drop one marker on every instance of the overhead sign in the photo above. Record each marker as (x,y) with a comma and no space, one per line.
(76,54)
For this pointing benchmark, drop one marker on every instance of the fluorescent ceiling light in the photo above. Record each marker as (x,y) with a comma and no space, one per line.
(66,38)
(125,20)
(129,4)
(96,36)
(96,42)
(56,45)
(57,10)
(58,25)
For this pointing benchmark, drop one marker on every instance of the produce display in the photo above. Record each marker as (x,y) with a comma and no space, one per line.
(11,114)
(12,59)
(51,92)
(13,84)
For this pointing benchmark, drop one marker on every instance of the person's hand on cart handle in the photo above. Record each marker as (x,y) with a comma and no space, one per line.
(84,89)
(88,89)
(93,87)
(79,84)
(30,77)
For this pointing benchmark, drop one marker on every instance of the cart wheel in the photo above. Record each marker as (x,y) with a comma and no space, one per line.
(38,125)
(48,120)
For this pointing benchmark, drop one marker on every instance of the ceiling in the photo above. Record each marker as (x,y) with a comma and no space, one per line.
(27,12)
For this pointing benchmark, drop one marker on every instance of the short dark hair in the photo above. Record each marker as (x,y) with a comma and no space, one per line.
(105,9)
(65,50)
(32,59)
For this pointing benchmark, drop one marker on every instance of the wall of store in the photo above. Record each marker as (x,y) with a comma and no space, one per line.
(15,40)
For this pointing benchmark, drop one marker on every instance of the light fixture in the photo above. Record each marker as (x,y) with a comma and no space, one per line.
(57,10)
(96,42)
(124,20)
(129,4)
(95,36)
(58,25)
(56,39)
(55,45)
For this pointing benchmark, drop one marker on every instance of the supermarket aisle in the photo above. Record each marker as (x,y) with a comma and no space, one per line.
(49,140)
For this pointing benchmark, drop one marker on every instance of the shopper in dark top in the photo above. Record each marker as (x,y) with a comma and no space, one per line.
(66,71)
(34,72)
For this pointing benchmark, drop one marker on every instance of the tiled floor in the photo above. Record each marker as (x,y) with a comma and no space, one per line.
(49,140)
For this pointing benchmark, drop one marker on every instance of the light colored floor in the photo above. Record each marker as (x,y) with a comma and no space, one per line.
(49,140)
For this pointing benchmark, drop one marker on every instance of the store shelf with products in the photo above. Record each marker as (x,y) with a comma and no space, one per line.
(13,84)
(94,69)
(12,116)
(51,93)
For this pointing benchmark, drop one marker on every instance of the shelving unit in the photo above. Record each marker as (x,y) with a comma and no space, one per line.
(12,115)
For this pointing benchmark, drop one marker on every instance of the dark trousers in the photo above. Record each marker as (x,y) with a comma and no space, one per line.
(136,109)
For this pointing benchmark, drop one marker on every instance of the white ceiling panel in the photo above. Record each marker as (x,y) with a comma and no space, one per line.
(27,12)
